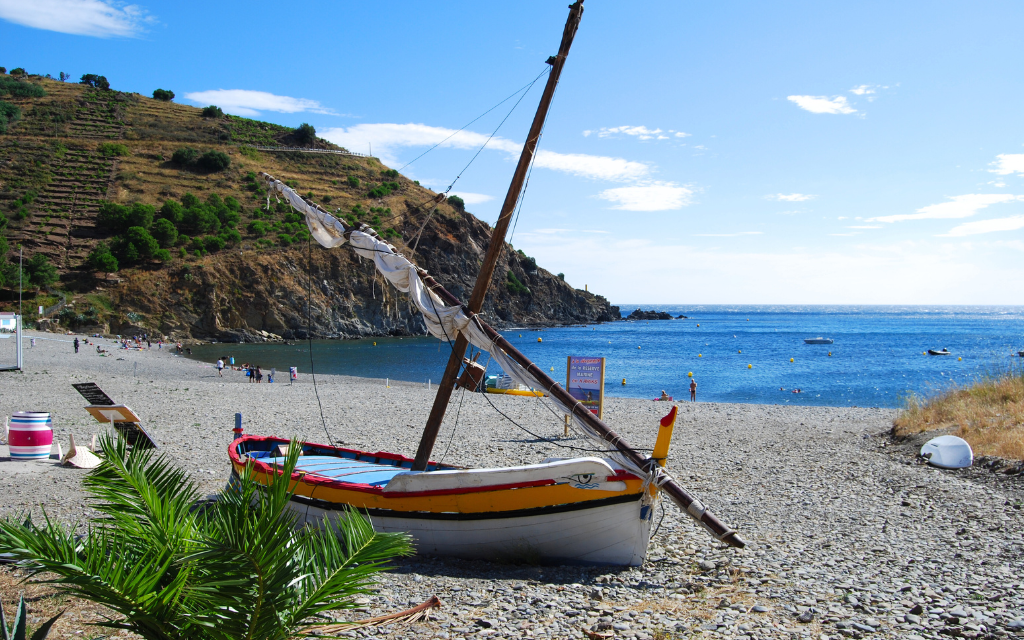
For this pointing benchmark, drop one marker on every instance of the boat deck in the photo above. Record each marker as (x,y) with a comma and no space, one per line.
(342,469)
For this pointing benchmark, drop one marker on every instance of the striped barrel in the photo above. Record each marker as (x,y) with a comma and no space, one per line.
(30,436)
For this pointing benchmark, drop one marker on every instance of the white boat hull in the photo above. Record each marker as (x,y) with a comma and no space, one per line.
(604,534)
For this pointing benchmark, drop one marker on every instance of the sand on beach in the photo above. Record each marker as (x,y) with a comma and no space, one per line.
(828,506)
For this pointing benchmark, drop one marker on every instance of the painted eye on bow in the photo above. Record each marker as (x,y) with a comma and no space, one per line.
(582,478)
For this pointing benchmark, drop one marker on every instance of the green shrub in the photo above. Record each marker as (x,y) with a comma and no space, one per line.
(514,285)
(110,149)
(162,255)
(213,161)
(93,80)
(230,236)
(164,232)
(383,189)
(18,89)
(353,181)
(18,71)
(389,173)
(561,277)
(135,245)
(258,228)
(232,204)
(9,114)
(172,211)
(391,232)
(213,243)
(285,239)
(119,218)
(185,156)
(457,203)
(39,271)
(163,95)
(529,264)
(305,134)
(326,199)
(213,112)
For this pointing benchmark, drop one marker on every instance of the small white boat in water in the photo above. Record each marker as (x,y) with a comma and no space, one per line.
(818,340)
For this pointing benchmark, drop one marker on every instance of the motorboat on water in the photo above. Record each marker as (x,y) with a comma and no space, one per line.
(940,352)
(818,340)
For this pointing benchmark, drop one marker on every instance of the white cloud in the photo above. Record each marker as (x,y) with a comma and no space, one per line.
(594,167)
(1008,163)
(472,198)
(963,206)
(243,102)
(681,134)
(728,235)
(656,196)
(388,138)
(863,89)
(986,226)
(865,226)
(78,17)
(640,132)
(790,197)
(822,104)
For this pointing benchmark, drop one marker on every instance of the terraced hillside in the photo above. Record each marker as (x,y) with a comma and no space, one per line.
(244,275)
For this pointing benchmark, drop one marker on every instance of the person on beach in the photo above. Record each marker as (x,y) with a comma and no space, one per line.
(76,345)
(664,396)
(259,375)
(220,368)
(693,390)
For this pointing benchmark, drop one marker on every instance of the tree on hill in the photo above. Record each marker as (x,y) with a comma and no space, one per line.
(457,203)
(213,111)
(101,259)
(163,95)
(39,271)
(18,71)
(305,134)
(93,80)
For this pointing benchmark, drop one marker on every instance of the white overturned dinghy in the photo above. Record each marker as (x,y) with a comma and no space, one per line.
(948,452)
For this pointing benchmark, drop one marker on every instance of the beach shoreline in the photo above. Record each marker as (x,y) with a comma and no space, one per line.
(839,523)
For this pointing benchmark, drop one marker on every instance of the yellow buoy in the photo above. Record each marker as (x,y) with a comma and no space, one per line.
(520,335)
(540,340)
(638,347)
(690,374)
(750,366)
(923,353)
(830,354)
(740,351)
(375,344)
(959,359)
(623,382)
(700,355)
(552,368)
(698,324)
(791,359)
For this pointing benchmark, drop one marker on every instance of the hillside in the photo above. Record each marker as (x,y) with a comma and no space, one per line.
(146,237)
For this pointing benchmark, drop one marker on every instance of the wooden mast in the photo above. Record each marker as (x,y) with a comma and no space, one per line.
(497,243)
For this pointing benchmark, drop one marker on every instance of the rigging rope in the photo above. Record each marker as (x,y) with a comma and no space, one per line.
(547,68)
(309,331)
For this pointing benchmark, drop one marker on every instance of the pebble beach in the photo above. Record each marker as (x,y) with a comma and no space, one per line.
(848,534)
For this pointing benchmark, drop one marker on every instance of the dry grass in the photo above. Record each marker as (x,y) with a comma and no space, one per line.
(988,414)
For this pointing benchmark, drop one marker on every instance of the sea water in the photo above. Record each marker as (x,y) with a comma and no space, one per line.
(735,353)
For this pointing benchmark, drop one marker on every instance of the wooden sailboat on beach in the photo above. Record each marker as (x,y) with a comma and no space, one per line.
(594,510)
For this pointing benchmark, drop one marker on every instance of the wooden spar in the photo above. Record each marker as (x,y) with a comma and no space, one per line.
(497,243)
(676,492)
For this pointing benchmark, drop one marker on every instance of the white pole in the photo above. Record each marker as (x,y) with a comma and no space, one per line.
(387,382)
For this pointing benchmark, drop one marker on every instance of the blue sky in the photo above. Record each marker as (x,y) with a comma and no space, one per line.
(695,152)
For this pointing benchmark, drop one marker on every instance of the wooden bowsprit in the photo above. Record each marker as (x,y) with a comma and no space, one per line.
(120,417)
